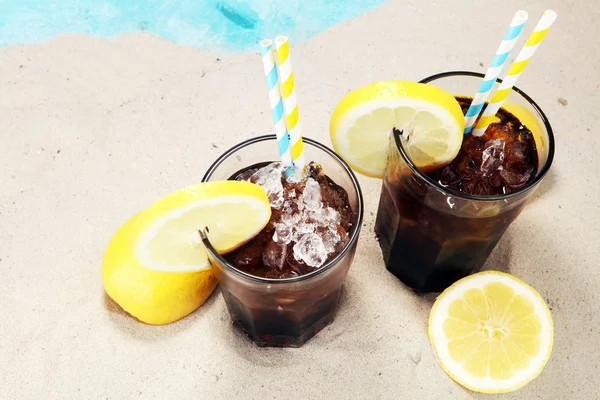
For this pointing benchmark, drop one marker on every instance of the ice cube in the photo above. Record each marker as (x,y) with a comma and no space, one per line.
(330,216)
(296,176)
(246,175)
(283,233)
(269,178)
(311,195)
(311,250)
(305,228)
(267,174)
(287,208)
(324,216)
(290,218)
(330,239)
(493,156)
(302,229)
(336,197)
(276,200)
(275,255)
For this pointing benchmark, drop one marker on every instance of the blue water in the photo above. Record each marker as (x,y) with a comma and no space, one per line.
(214,25)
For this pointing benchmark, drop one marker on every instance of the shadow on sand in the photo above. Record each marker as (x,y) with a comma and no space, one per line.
(138,330)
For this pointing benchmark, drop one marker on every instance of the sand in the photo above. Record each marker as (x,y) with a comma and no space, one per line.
(93,130)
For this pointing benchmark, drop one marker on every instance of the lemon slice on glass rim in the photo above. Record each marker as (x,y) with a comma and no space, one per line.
(431,121)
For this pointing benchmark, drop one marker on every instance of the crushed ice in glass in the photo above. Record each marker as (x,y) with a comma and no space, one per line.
(309,226)
(311,196)
(310,249)
(330,239)
(269,178)
(283,233)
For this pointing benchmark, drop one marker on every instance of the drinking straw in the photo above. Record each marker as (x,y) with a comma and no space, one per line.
(533,42)
(290,105)
(283,139)
(486,86)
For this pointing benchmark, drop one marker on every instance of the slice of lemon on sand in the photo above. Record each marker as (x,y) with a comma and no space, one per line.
(156,267)
(491,332)
(429,117)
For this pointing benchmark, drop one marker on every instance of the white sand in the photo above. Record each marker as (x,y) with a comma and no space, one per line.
(92,131)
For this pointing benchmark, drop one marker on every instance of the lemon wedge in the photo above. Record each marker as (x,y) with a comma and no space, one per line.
(156,267)
(491,332)
(430,119)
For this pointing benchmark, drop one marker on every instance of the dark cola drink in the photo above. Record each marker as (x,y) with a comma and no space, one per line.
(504,159)
(310,226)
(437,228)
(284,285)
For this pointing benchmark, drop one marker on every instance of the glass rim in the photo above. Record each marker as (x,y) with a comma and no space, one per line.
(353,237)
(463,195)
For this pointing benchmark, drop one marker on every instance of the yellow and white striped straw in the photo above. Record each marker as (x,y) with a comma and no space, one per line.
(283,140)
(290,104)
(513,74)
(495,68)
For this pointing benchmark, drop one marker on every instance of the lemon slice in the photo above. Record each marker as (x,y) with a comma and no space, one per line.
(491,332)
(430,118)
(233,211)
(156,267)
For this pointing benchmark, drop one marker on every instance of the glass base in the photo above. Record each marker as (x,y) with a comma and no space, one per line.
(421,272)
(268,340)
(283,326)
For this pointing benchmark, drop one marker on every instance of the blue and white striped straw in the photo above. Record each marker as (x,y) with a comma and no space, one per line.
(495,68)
(283,138)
